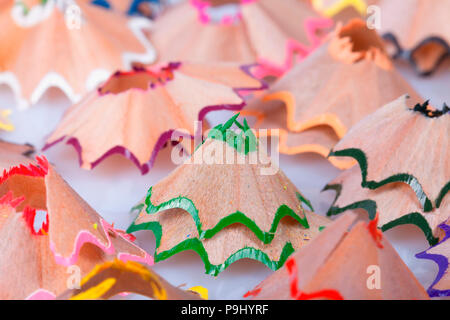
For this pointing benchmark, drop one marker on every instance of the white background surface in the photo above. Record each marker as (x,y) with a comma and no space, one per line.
(116,185)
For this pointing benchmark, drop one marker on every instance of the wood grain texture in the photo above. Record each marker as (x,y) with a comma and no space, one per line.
(396,139)
(73,54)
(415,20)
(133,116)
(262,35)
(393,201)
(338,260)
(76,235)
(341,82)
(220,190)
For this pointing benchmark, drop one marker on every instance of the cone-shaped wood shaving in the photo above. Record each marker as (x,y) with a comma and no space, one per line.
(82,54)
(402,144)
(418,30)
(347,78)
(113,278)
(227,212)
(441,255)
(359,264)
(34,260)
(269,32)
(135,113)
(396,202)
